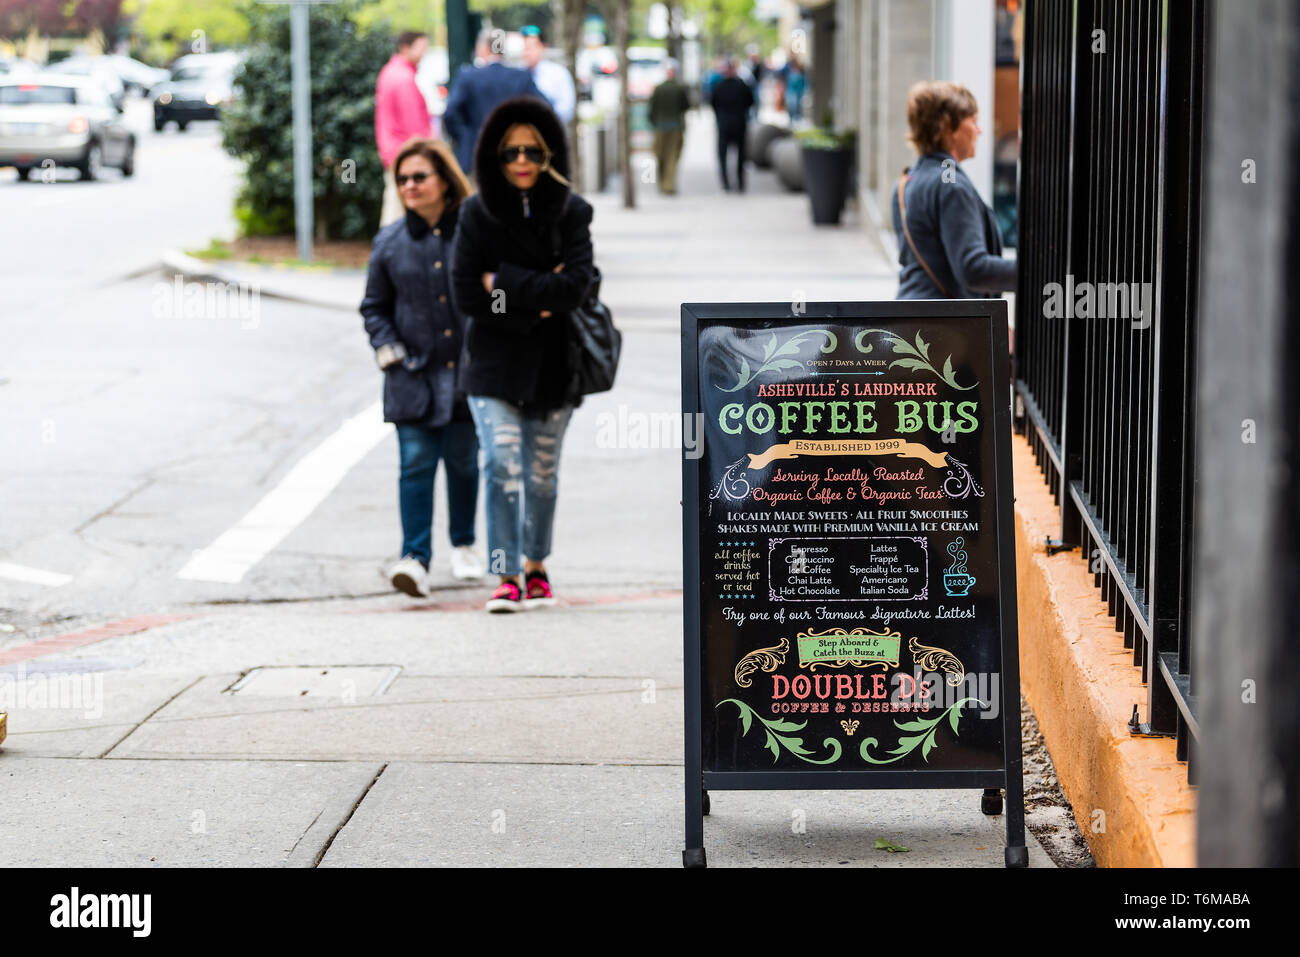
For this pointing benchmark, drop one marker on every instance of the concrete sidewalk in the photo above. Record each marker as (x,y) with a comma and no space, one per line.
(430,733)
(714,246)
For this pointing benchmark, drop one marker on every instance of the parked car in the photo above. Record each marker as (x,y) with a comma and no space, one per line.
(200,84)
(96,68)
(137,77)
(647,67)
(593,62)
(69,120)
(227,58)
(431,78)
(13,66)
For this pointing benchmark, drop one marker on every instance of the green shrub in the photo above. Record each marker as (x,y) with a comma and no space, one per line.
(820,138)
(347,178)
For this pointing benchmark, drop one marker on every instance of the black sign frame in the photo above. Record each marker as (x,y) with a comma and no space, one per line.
(986,317)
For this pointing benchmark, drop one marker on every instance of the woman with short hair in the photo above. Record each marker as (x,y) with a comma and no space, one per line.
(417,334)
(949,246)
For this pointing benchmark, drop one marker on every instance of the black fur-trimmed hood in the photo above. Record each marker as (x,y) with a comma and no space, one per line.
(503,200)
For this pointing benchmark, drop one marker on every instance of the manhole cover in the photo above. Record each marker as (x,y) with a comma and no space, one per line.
(320,681)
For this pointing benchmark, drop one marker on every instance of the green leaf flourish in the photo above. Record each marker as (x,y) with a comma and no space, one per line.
(774,356)
(776,739)
(916,357)
(928,727)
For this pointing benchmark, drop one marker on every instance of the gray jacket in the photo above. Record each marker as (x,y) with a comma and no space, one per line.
(954,232)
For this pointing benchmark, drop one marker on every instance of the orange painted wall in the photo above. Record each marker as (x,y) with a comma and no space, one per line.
(1082,684)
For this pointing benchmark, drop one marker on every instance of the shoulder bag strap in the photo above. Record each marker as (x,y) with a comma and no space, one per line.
(902,215)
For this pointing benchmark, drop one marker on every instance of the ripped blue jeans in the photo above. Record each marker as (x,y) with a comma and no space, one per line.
(521,461)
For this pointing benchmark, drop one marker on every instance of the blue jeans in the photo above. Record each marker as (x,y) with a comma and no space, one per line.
(521,457)
(420,449)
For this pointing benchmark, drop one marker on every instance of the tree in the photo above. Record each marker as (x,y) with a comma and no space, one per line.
(622,15)
(170,28)
(428,16)
(18,18)
(729,24)
(347,177)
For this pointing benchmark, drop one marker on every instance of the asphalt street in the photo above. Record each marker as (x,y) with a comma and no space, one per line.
(134,428)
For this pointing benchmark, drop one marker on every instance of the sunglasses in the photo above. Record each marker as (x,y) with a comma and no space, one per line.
(417,178)
(534,154)
(531,31)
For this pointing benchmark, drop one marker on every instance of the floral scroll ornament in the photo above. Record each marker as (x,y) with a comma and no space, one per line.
(916,356)
(927,729)
(930,658)
(960,483)
(733,485)
(761,659)
(779,735)
(777,358)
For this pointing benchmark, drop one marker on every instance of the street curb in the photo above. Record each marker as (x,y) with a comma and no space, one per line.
(192,269)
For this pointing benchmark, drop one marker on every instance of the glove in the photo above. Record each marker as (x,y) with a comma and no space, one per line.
(390,353)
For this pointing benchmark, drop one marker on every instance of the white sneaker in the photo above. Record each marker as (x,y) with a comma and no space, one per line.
(465,564)
(410,577)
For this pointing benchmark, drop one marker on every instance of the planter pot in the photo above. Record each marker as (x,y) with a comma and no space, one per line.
(788,163)
(826,180)
(761,136)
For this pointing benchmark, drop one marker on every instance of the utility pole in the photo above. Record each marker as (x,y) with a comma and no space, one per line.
(300,53)
(300,71)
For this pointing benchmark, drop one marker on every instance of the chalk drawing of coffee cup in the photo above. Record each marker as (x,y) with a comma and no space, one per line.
(957,583)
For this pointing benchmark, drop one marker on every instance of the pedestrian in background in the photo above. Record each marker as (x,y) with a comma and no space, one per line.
(476,92)
(755,70)
(550,77)
(523,260)
(731,98)
(949,245)
(795,84)
(669,104)
(400,113)
(417,335)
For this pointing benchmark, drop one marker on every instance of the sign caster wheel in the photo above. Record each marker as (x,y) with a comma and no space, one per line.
(1015,857)
(693,858)
(991,801)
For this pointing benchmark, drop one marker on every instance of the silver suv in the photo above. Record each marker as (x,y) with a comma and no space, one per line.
(65,120)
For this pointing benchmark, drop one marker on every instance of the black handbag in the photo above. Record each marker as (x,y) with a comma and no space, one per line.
(594,344)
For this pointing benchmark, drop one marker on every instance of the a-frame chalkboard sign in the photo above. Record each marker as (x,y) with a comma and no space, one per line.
(848,552)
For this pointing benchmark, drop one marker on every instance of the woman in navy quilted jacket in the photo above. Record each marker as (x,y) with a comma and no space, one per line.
(417,335)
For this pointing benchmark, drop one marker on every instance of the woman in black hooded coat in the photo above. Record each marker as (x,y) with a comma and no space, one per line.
(522,261)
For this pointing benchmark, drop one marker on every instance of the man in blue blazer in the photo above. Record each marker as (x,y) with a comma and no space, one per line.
(476,92)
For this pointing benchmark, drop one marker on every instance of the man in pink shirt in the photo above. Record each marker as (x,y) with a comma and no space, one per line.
(400,113)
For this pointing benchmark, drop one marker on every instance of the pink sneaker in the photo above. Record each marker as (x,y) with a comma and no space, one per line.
(538,587)
(505,598)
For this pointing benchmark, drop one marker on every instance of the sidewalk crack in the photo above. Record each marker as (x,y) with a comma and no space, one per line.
(306,832)
(141,722)
(112,508)
(320,855)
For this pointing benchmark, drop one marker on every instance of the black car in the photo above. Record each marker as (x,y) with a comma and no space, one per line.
(199,87)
